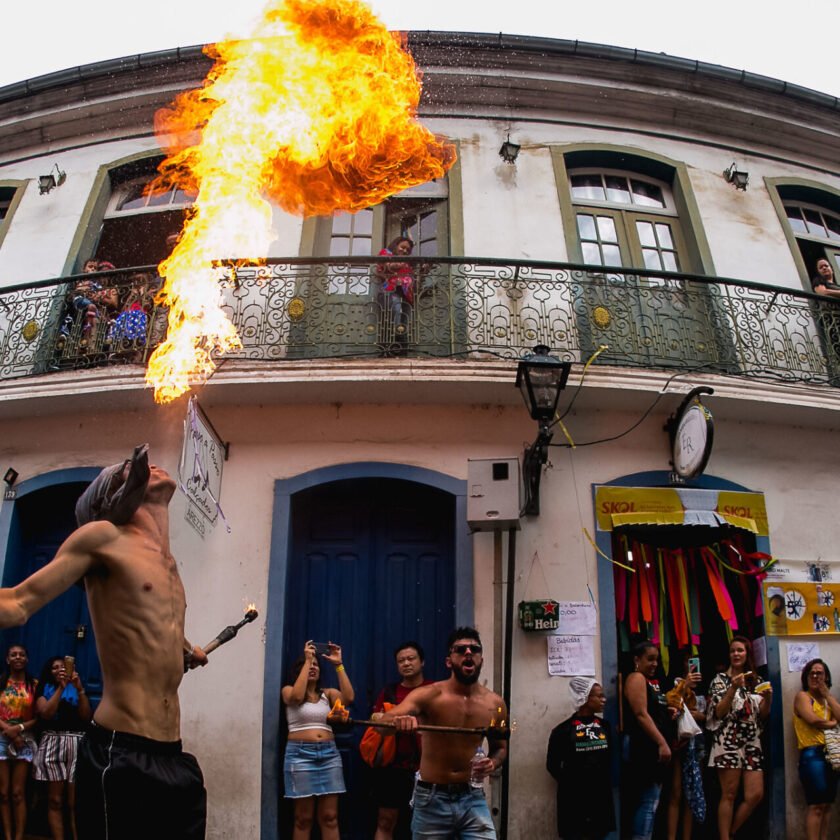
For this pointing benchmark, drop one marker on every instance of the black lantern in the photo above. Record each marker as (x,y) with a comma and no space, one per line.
(509,152)
(540,378)
(55,178)
(11,476)
(737,177)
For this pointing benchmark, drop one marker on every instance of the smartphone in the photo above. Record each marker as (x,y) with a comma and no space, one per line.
(321,647)
(693,664)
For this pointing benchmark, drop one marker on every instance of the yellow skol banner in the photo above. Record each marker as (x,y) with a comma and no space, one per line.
(801,609)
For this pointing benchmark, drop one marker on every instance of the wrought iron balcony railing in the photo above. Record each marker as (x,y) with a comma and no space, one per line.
(443,307)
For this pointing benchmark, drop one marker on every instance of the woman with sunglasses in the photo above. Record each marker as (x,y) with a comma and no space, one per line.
(814,712)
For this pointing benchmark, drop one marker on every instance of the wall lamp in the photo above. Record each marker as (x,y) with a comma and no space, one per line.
(11,476)
(540,378)
(47,183)
(509,152)
(737,177)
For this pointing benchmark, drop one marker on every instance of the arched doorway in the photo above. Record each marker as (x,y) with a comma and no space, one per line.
(630,526)
(34,526)
(366,555)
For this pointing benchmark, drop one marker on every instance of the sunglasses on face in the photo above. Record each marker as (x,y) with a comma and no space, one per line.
(463,649)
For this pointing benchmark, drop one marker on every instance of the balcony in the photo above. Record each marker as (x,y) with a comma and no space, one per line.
(298,309)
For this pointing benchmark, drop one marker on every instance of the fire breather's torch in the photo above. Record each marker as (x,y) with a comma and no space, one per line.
(226,635)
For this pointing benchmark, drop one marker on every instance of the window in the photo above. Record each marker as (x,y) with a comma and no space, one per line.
(10,195)
(419,212)
(136,224)
(814,220)
(625,220)
(6,196)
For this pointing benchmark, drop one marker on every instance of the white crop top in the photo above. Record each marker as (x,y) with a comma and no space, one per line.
(309,715)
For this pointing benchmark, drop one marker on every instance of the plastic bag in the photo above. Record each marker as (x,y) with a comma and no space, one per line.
(686,725)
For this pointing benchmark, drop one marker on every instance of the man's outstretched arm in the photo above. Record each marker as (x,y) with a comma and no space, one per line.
(76,557)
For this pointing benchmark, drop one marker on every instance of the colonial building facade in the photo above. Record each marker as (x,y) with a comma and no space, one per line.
(621,237)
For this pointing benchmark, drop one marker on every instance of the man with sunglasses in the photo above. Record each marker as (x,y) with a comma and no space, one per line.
(445,803)
(132,777)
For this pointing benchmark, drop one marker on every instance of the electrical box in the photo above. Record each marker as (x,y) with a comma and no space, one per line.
(493,494)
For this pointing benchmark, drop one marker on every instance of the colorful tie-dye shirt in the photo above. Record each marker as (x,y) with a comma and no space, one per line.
(17,702)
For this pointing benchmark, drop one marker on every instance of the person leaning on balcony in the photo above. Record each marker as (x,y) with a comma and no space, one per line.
(312,766)
(823,282)
(814,712)
(395,295)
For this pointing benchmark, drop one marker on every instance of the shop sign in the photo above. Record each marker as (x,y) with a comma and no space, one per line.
(801,609)
(539,615)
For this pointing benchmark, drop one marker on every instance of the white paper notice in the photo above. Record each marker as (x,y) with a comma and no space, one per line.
(576,618)
(571,656)
(800,653)
(760,651)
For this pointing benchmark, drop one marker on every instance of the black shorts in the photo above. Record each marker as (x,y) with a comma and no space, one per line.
(392,787)
(128,788)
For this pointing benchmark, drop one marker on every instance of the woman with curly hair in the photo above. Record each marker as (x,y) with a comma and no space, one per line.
(17,743)
(64,709)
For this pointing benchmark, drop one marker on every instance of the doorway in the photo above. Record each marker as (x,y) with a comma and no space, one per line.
(371,564)
(693,589)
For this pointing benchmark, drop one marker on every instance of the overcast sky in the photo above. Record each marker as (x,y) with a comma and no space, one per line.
(794,42)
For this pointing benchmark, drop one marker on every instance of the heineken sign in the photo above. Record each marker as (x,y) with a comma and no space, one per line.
(539,615)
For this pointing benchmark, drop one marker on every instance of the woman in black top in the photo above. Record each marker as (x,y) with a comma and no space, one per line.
(579,759)
(64,710)
(650,730)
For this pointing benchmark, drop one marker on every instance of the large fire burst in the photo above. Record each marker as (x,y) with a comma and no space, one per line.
(315,112)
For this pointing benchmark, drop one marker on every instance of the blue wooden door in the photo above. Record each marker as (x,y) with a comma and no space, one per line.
(43,520)
(372,565)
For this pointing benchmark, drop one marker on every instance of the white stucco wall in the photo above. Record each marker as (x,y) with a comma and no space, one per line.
(224,572)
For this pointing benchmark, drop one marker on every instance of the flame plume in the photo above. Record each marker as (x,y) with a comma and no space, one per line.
(316,113)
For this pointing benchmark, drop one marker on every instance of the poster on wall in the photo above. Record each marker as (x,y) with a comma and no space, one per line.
(571,656)
(801,609)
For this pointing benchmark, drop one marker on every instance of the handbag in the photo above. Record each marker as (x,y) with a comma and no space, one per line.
(378,746)
(832,745)
(687,727)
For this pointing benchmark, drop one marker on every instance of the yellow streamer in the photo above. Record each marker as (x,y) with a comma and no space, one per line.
(606,556)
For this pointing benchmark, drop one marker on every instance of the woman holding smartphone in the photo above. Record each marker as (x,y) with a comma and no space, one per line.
(736,716)
(312,766)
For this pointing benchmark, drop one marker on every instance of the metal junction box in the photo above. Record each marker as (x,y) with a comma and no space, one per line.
(493,494)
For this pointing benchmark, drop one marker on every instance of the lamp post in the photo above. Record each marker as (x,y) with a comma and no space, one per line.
(540,378)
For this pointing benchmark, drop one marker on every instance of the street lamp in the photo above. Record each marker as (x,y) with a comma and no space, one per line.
(540,378)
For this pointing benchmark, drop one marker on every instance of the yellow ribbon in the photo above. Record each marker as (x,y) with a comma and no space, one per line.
(606,556)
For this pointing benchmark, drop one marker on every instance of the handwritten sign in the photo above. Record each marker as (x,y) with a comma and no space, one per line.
(576,618)
(571,656)
(800,653)
(200,468)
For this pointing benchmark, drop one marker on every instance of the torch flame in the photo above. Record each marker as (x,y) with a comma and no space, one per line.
(250,607)
(315,112)
(338,712)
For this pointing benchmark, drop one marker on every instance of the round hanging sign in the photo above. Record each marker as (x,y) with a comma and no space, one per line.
(694,432)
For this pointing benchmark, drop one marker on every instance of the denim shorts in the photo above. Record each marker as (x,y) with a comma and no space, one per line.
(818,779)
(25,753)
(440,813)
(312,768)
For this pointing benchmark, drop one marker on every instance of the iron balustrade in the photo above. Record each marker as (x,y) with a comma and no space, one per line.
(326,308)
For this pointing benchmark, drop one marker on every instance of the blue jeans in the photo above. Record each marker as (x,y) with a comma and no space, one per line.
(645,813)
(441,814)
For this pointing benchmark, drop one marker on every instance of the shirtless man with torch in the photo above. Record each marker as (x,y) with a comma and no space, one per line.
(445,803)
(133,779)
